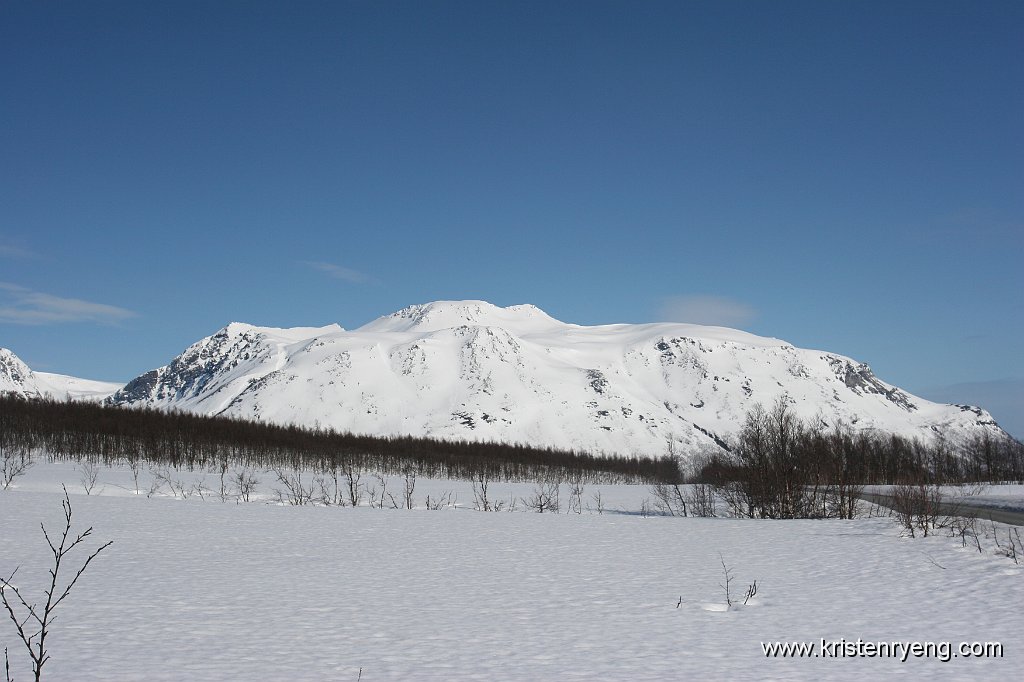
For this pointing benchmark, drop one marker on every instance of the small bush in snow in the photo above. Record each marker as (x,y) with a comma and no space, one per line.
(33,620)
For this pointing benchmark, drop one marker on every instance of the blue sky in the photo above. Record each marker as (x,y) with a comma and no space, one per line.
(846,176)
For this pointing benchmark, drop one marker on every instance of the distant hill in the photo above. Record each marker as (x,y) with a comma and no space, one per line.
(16,378)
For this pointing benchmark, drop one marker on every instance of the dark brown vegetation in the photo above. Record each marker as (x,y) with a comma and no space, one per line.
(782,467)
(89,431)
(777,466)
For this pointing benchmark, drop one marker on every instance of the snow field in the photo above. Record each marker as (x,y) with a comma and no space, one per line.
(197,589)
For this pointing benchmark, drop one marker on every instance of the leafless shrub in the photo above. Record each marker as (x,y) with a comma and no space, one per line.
(917,507)
(965,527)
(645,507)
(296,492)
(728,578)
(371,491)
(575,503)
(409,485)
(329,486)
(701,497)
(544,498)
(1014,547)
(481,502)
(32,620)
(598,502)
(840,500)
(726,585)
(352,478)
(176,486)
(669,499)
(245,483)
(222,467)
(88,473)
(735,500)
(14,462)
(378,500)
(440,502)
(668,496)
(154,485)
(751,591)
(385,497)
(135,466)
(201,489)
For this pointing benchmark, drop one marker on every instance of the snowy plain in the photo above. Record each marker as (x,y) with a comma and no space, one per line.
(205,590)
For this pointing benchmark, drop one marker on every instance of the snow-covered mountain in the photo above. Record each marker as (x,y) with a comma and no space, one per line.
(472,370)
(17,378)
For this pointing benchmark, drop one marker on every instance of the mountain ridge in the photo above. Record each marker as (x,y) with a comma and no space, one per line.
(473,370)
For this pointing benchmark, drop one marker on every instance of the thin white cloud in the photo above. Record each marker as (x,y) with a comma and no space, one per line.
(19,305)
(12,251)
(340,272)
(710,310)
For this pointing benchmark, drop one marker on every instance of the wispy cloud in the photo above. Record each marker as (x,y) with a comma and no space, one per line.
(340,272)
(8,250)
(711,310)
(19,305)
(979,222)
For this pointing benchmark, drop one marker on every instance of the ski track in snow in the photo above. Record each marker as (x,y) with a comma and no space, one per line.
(199,589)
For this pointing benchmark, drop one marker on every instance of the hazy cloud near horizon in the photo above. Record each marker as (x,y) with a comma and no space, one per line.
(20,305)
(719,311)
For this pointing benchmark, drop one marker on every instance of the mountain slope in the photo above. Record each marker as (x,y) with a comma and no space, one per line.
(17,378)
(469,369)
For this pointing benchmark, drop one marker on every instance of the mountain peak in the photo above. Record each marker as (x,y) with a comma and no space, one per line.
(426,317)
(233,329)
(15,376)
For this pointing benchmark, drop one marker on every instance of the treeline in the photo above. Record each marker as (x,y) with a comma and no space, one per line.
(78,430)
(780,466)
(777,466)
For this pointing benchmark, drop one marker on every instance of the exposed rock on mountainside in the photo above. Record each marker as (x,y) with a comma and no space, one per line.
(469,369)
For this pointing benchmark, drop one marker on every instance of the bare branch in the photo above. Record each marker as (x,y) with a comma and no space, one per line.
(34,638)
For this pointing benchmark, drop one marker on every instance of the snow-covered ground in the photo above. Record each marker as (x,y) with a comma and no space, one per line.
(63,387)
(199,589)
